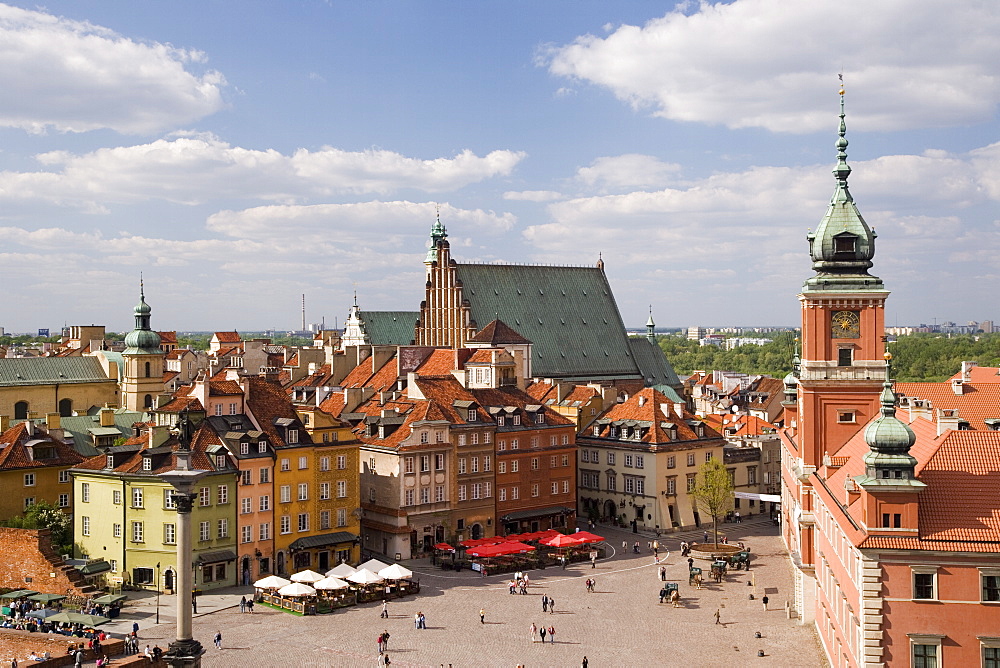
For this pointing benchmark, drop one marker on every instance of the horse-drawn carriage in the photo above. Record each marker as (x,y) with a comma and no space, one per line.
(694,577)
(739,561)
(719,570)
(671,592)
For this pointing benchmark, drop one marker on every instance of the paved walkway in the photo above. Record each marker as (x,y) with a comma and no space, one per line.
(622,624)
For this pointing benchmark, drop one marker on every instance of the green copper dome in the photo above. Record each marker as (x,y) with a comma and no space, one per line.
(888,434)
(438,233)
(843,245)
(142,340)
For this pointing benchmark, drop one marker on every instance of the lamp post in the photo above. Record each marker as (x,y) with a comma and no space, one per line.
(184,651)
(159,586)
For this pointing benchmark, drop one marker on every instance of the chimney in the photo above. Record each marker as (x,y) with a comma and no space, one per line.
(967,370)
(920,408)
(4,423)
(158,435)
(947,418)
(52,421)
(107,417)
(958,385)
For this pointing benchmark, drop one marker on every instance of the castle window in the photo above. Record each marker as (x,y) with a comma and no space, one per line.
(924,582)
(21,410)
(147,370)
(846,416)
(845,356)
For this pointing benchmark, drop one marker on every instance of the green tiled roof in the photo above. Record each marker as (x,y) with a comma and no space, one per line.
(389,328)
(569,314)
(81,427)
(50,371)
(653,364)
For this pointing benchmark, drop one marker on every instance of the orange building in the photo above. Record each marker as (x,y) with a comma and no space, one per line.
(890,515)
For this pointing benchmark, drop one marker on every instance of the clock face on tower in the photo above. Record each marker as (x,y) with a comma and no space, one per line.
(845,325)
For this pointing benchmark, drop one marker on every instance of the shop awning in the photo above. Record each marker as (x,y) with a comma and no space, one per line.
(323,540)
(536,512)
(500,549)
(95,567)
(216,556)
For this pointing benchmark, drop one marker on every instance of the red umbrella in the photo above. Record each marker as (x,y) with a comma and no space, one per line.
(444,547)
(562,540)
(587,537)
(500,549)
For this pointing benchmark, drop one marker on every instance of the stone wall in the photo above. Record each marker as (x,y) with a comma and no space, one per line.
(29,562)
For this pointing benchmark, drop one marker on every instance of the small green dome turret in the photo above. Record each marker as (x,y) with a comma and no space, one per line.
(142,340)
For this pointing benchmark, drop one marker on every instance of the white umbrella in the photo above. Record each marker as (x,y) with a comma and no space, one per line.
(374,565)
(297,589)
(331,583)
(365,577)
(395,572)
(341,571)
(271,582)
(307,576)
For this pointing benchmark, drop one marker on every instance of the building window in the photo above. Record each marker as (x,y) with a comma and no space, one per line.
(341,517)
(691,481)
(324,519)
(223,494)
(639,461)
(516,419)
(371,494)
(514,464)
(439,494)
(137,532)
(285,492)
(116,530)
(341,489)
(487,437)
(114,565)
(475,465)
(286,524)
(612,482)
(585,456)
(671,485)
(303,521)
(924,582)
(751,475)
(64,475)
(565,486)
(534,463)
(611,458)
(246,506)
(324,491)
(85,525)
(461,465)
(461,439)
(991,583)
(925,656)
(286,465)
(246,478)
(341,462)
(303,463)
(503,493)
(265,531)
(515,493)
(487,463)
(553,461)
(205,531)
(991,655)
(534,490)
(439,462)
(265,502)
(513,444)
(555,488)
(487,490)
(293,435)
(303,491)
(137,497)
(408,464)
(246,534)
(501,467)
(29,479)
(204,496)
(408,497)
(218,409)
(64,500)
(265,475)
(846,417)
(169,534)
(845,356)
(627,460)
(324,463)
(461,493)
(261,446)
(425,463)
(477,490)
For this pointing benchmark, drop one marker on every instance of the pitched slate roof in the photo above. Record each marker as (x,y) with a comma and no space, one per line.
(568,313)
(50,371)
(498,333)
(80,427)
(653,365)
(389,328)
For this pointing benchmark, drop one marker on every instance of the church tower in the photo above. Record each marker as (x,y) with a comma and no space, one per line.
(142,377)
(843,323)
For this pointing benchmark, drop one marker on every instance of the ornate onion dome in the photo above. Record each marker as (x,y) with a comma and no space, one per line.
(889,440)
(142,340)
(438,233)
(843,245)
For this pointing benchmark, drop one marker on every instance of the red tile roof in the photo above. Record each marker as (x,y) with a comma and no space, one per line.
(228,337)
(980,374)
(977,402)
(656,409)
(168,337)
(498,333)
(224,388)
(15,455)
(440,362)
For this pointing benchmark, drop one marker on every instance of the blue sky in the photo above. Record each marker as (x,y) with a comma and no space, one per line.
(240,154)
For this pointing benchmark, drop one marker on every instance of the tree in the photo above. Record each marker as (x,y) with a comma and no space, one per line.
(713,492)
(43,515)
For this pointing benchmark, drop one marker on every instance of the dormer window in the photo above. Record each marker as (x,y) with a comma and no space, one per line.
(245,448)
(261,446)
(517,419)
(293,435)
(501,420)
(110,462)
(473,415)
(147,464)
(539,418)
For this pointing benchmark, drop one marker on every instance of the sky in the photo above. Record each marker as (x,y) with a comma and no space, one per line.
(238,154)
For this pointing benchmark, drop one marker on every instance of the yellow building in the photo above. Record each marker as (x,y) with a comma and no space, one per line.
(126,514)
(64,385)
(34,466)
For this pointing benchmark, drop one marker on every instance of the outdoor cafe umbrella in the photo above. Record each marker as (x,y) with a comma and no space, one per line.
(20,593)
(79,618)
(110,599)
(365,577)
(46,598)
(328,583)
(562,540)
(297,589)
(341,571)
(307,576)
(374,565)
(500,550)
(395,572)
(43,613)
(271,582)
(444,547)
(587,537)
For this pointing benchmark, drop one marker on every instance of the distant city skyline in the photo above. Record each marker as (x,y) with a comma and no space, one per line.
(240,155)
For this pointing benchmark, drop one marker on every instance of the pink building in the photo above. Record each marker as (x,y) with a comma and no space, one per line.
(891,515)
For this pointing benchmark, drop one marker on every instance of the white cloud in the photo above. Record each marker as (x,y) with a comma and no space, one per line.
(199,168)
(770,64)
(628,171)
(74,76)
(532,195)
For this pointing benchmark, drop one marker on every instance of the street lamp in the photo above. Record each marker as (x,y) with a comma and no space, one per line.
(158,587)
(184,651)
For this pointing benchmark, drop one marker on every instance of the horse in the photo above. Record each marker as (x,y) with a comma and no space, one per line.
(675,598)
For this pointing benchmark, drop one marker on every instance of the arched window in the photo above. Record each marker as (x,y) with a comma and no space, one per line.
(147,369)
(147,401)
(21,410)
(65,407)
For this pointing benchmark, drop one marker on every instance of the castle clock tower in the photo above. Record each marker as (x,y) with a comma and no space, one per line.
(142,377)
(843,322)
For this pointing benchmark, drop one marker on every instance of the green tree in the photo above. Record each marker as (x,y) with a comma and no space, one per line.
(713,492)
(43,515)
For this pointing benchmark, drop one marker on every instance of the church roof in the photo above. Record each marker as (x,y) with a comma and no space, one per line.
(389,328)
(568,313)
(498,333)
(50,371)
(652,363)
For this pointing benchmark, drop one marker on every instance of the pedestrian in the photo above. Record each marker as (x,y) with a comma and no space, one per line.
(545,603)
(243,604)
(482,615)
(552,635)
(534,630)
(385,610)
(380,639)
(624,546)
(423,621)
(718,615)
(194,604)
(690,562)
(563,560)
(416,620)
(635,547)
(585,663)
(381,659)
(663,573)
(593,560)
(552,606)
(78,657)
(541,632)
(135,629)
(218,640)
(705,537)
(764,601)
(385,639)
(250,605)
